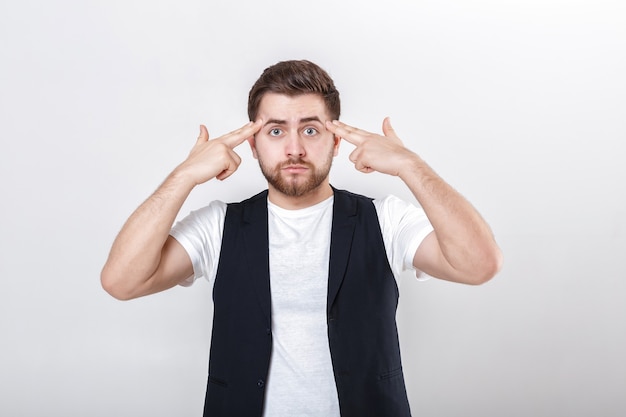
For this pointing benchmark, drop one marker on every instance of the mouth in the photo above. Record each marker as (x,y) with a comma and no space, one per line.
(295,168)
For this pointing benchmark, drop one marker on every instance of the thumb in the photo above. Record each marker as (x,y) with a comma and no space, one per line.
(204,134)
(387,129)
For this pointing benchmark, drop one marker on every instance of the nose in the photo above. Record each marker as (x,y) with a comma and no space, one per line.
(294,146)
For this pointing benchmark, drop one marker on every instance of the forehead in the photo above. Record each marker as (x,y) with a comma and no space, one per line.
(292,108)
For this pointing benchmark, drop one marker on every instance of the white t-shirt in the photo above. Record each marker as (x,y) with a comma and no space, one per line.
(301,381)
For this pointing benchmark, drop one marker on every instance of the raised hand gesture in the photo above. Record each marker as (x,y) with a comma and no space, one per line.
(216,158)
(386,154)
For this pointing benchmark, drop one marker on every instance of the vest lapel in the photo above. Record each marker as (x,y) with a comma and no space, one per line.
(344,220)
(255,236)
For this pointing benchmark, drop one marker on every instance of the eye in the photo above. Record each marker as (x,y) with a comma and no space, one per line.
(310,131)
(275,132)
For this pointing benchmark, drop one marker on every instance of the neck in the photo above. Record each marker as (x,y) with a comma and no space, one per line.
(309,199)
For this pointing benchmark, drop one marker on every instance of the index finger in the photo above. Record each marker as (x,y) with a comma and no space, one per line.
(237,137)
(348,133)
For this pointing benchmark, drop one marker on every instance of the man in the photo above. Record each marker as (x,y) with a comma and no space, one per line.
(303,274)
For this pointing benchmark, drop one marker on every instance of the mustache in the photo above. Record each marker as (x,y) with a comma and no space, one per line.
(295,161)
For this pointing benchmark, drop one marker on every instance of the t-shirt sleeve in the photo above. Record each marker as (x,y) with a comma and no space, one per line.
(200,233)
(404,226)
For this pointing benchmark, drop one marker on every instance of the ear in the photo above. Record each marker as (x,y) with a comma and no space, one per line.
(337,140)
(252,142)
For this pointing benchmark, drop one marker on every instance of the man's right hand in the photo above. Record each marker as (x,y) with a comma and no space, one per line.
(144,258)
(216,158)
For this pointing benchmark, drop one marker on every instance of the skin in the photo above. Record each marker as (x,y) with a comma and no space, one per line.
(295,142)
(144,258)
(461,248)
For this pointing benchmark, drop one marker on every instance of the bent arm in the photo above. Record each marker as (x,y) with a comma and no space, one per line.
(461,248)
(144,258)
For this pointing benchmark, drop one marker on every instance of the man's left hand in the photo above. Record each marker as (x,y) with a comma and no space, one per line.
(374,152)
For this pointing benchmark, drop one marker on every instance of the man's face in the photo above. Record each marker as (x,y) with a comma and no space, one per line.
(294,149)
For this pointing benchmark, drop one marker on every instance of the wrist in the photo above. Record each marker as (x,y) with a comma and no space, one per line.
(183,178)
(411,166)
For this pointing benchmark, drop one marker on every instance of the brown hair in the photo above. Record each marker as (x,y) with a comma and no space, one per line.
(294,78)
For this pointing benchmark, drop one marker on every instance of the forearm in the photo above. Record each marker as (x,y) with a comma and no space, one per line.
(465,239)
(462,248)
(142,260)
(136,252)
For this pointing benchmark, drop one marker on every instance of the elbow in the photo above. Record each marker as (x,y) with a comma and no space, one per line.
(112,284)
(489,267)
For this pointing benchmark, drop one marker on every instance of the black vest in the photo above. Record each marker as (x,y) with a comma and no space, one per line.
(361,310)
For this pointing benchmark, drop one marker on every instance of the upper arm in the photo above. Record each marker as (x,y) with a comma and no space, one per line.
(430,259)
(174,267)
(477,266)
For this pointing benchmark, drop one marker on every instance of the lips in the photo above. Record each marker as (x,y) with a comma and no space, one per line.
(295,168)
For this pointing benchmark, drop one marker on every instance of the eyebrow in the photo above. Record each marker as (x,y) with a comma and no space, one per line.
(284,122)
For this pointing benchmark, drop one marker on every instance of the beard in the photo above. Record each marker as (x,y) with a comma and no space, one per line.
(295,185)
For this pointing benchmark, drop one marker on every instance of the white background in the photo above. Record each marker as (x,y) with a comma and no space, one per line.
(520,105)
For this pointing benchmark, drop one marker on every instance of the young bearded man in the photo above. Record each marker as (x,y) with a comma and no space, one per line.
(304,275)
